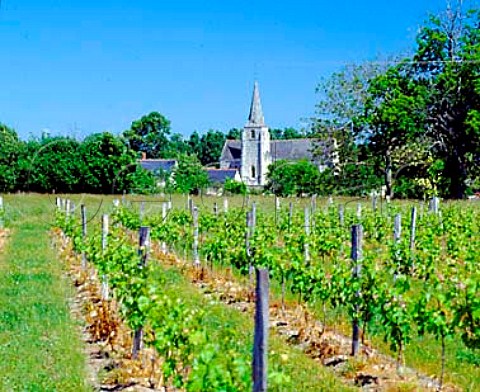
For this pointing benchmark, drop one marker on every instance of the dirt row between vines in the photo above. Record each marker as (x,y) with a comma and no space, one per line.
(372,370)
(106,337)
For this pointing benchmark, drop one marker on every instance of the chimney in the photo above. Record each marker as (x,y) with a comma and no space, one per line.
(144,155)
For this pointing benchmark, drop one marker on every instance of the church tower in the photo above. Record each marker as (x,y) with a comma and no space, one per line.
(255,145)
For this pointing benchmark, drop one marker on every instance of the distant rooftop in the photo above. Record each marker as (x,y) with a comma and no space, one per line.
(155,165)
(219,176)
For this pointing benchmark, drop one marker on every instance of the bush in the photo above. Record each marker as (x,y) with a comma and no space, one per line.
(234,187)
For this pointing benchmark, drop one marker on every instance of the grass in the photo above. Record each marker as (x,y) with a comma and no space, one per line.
(23,321)
(40,346)
(289,368)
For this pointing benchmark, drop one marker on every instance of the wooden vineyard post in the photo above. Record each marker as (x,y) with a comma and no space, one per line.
(306,247)
(215,209)
(105,293)
(277,204)
(144,243)
(196,257)
(225,205)
(357,233)
(413,224)
(124,198)
(359,211)
(190,205)
(67,208)
(341,214)
(164,220)
(83,211)
(434,205)
(141,212)
(260,342)
(397,229)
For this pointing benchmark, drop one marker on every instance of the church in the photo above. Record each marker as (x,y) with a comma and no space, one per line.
(252,155)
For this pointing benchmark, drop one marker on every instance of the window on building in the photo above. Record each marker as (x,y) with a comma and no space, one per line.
(253,172)
(252,134)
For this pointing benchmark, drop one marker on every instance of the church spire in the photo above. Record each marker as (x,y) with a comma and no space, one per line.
(256,114)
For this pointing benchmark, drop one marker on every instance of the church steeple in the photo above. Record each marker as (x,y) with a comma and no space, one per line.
(256,114)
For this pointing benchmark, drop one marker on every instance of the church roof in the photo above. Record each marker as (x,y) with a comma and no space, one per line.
(219,176)
(256,118)
(292,149)
(232,150)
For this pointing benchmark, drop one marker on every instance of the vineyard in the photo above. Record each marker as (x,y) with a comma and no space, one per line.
(402,276)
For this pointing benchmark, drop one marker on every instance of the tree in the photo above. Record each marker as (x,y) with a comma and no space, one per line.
(434,98)
(9,148)
(189,177)
(286,133)
(51,163)
(394,117)
(211,145)
(177,146)
(195,144)
(149,134)
(111,167)
(339,111)
(234,134)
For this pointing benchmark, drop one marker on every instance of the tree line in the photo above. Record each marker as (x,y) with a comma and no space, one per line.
(106,163)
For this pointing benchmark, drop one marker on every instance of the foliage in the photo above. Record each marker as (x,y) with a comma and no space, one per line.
(9,147)
(188,176)
(150,135)
(110,167)
(432,289)
(234,187)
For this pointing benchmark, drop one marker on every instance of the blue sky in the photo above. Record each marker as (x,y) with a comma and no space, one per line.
(77,67)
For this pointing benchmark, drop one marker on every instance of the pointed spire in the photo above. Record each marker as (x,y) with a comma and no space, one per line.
(256,114)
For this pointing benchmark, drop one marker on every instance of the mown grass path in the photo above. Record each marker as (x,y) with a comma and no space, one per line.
(40,346)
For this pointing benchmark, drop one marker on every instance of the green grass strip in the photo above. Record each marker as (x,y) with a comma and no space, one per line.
(40,346)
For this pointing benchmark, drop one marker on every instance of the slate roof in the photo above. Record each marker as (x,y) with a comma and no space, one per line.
(232,150)
(155,165)
(219,176)
(292,149)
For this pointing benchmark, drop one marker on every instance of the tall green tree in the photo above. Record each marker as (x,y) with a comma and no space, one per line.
(111,167)
(9,150)
(51,164)
(150,134)
(234,134)
(211,145)
(434,96)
